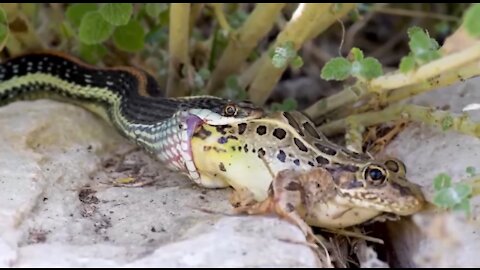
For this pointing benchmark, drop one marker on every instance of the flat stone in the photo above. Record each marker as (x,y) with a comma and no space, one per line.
(58,207)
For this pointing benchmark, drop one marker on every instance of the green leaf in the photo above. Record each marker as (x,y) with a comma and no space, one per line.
(470,171)
(442,180)
(407,64)
(233,89)
(117,13)
(129,37)
(3,16)
(237,18)
(337,68)
(279,61)
(428,56)
(283,54)
(159,35)
(164,17)
(201,77)
(232,83)
(443,198)
(276,107)
(442,28)
(447,122)
(92,53)
(154,9)
(354,15)
(94,29)
(449,197)
(75,12)
(4,30)
(297,62)
(462,190)
(471,20)
(371,68)
(464,206)
(289,104)
(424,48)
(420,40)
(356,54)
(204,73)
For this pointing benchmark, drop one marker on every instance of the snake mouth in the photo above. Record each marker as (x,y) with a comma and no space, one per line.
(193,123)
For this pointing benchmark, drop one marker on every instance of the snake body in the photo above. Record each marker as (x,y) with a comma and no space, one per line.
(127,97)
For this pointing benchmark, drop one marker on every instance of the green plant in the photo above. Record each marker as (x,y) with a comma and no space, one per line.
(456,196)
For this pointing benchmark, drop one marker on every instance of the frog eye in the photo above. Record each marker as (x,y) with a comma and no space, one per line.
(375,174)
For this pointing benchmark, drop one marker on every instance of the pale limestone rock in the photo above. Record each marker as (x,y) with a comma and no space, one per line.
(56,210)
(428,151)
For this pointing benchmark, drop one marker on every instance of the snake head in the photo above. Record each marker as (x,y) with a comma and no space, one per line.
(217,111)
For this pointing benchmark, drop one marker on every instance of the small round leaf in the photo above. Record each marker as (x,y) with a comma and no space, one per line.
(117,13)
(471,20)
(337,68)
(75,12)
(94,29)
(129,37)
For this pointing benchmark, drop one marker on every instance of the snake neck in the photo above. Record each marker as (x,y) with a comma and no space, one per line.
(127,98)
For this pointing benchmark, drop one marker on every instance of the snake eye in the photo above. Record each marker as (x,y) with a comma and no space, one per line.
(230,110)
(375,174)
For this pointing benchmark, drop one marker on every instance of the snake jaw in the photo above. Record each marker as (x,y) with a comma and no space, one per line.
(193,122)
(212,118)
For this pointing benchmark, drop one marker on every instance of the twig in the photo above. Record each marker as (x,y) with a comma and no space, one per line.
(430,70)
(387,47)
(414,13)
(414,112)
(177,84)
(402,93)
(221,18)
(396,80)
(307,21)
(244,41)
(355,234)
(353,30)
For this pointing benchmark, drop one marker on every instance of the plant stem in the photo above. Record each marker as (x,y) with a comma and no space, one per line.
(195,12)
(308,21)
(178,68)
(414,13)
(396,95)
(447,64)
(221,19)
(414,112)
(257,25)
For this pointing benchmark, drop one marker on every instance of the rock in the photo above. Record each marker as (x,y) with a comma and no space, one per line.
(438,238)
(57,208)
